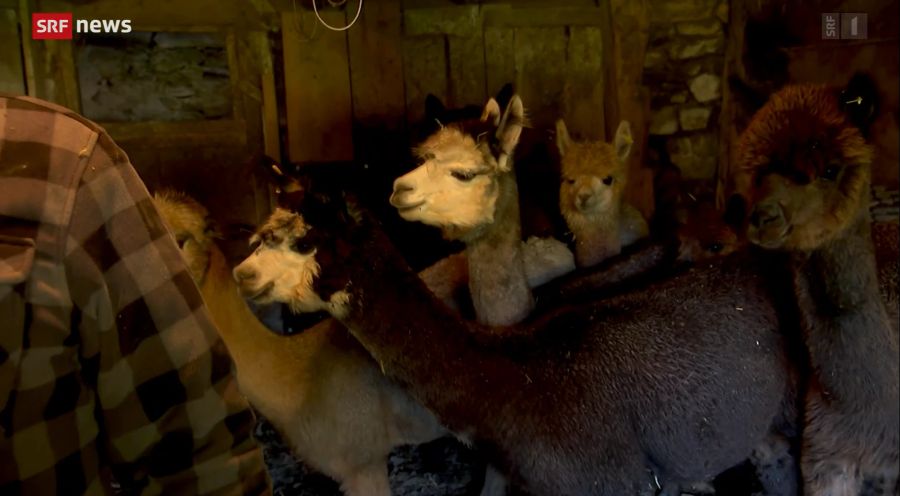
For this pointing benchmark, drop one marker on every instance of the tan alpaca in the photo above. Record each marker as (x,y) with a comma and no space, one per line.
(594,174)
(319,388)
(472,196)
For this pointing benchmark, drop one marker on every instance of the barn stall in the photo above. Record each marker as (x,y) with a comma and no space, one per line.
(200,93)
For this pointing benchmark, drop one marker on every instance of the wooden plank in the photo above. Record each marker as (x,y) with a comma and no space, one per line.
(188,134)
(317,87)
(60,67)
(27,57)
(540,58)
(505,15)
(467,71)
(583,103)
(425,71)
(12,74)
(376,65)
(629,31)
(271,139)
(170,13)
(499,57)
(458,20)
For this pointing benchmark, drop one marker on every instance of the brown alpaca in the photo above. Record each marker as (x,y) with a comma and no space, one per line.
(319,388)
(672,383)
(476,200)
(594,174)
(804,168)
(703,232)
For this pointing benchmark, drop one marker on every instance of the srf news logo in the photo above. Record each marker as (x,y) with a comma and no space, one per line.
(59,26)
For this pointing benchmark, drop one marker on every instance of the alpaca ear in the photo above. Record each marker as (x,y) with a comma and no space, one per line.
(491,112)
(211,230)
(279,178)
(563,141)
(509,130)
(623,141)
(505,95)
(434,108)
(859,100)
(735,212)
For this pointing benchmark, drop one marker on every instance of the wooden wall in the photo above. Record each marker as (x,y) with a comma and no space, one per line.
(795,52)
(380,71)
(345,91)
(215,161)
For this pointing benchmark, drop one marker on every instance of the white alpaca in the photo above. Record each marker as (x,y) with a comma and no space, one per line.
(473,196)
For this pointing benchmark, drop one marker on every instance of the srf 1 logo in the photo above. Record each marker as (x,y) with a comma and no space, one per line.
(51,26)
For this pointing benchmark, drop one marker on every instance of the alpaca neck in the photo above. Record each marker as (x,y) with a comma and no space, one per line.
(850,341)
(257,352)
(497,279)
(423,345)
(842,273)
(596,235)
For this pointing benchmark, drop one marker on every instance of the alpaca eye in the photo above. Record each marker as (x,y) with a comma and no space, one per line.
(569,180)
(181,240)
(304,247)
(608,180)
(831,172)
(255,245)
(463,176)
(715,247)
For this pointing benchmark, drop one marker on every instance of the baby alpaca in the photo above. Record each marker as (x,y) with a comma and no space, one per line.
(591,195)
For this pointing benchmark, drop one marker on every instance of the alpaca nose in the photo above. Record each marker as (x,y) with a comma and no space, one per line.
(583,198)
(766,215)
(244,274)
(401,187)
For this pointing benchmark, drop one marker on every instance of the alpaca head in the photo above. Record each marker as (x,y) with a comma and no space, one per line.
(456,187)
(189,222)
(803,167)
(703,232)
(301,253)
(593,172)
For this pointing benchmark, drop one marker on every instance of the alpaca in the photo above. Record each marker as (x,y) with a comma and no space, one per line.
(703,232)
(591,195)
(478,203)
(319,388)
(666,385)
(804,171)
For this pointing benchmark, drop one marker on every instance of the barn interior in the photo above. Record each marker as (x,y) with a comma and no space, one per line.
(203,95)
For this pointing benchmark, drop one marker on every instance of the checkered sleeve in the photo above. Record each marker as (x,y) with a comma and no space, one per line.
(172,419)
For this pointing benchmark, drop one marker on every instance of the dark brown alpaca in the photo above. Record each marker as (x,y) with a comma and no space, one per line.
(804,169)
(673,383)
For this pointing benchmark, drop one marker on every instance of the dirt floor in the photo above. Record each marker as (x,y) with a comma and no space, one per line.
(440,468)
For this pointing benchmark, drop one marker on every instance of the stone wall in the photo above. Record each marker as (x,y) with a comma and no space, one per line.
(885,204)
(682,71)
(143,76)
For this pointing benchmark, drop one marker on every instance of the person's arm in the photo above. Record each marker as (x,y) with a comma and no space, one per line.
(171,417)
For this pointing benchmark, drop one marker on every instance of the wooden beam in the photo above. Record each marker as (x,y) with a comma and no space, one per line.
(376,65)
(211,133)
(505,15)
(12,74)
(425,71)
(317,86)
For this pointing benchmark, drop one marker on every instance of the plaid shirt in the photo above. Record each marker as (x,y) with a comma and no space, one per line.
(110,367)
